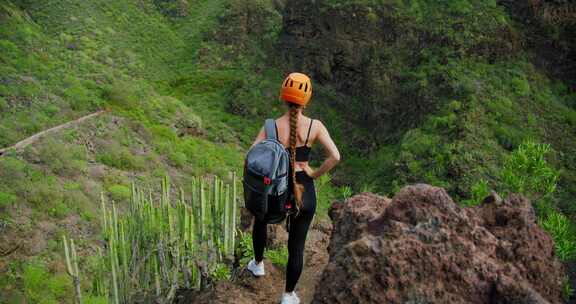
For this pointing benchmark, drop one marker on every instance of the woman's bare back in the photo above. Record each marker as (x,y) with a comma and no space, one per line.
(317,133)
(283,124)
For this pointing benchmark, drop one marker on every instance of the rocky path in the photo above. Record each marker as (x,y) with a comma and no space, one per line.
(32,139)
(268,289)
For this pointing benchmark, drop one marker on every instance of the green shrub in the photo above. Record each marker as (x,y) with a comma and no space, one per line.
(278,256)
(62,158)
(244,249)
(367,188)
(59,209)
(80,203)
(6,199)
(163,133)
(18,176)
(177,159)
(558,225)
(326,194)
(520,86)
(221,272)
(42,287)
(346,192)
(119,192)
(51,110)
(122,94)
(526,171)
(567,290)
(3,105)
(43,194)
(121,158)
(95,300)
(508,137)
(570,117)
(479,191)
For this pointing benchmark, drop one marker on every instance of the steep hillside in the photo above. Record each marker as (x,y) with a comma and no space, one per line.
(174,77)
(442,92)
(432,92)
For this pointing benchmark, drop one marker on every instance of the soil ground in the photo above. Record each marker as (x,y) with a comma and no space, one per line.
(246,288)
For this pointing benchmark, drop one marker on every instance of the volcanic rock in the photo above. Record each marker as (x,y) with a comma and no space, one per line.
(421,247)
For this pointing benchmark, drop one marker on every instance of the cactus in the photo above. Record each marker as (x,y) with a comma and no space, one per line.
(159,244)
(72,268)
(227,225)
(233,236)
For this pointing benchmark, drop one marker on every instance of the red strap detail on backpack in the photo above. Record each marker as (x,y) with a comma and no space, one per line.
(267,180)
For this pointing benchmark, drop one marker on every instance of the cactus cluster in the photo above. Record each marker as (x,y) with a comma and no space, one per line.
(161,243)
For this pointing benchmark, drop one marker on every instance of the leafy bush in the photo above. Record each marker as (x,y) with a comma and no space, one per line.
(122,94)
(163,133)
(221,272)
(6,199)
(479,191)
(43,194)
(61,158)
(80,97)
(520,86)
(559,227)
(95,300)
(325,194)
(346,192)
(567,291)
(278,256)
(121,158)
(244,248)
(3,105)
(526,171)
(59,209)
(42,287)
(177,159)
(119,192)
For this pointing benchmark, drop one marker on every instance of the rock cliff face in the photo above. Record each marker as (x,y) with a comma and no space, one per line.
(377,54)
(421,247)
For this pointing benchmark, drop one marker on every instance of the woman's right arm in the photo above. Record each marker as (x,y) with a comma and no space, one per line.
(330,149)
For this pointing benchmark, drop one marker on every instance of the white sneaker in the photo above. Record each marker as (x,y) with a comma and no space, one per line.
(290,298)
(256,269)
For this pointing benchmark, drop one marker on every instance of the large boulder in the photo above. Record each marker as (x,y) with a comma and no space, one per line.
(421,247)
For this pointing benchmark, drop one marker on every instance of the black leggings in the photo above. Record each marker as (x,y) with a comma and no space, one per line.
(297,236)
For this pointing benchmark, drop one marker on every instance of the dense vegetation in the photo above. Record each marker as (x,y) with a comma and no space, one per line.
(457,94)
(167,76)
(463,98)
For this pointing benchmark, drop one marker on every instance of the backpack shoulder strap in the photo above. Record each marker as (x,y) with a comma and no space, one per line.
(270,128)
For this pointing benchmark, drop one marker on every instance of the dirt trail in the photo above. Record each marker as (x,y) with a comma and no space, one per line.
(30,140)
(268,289)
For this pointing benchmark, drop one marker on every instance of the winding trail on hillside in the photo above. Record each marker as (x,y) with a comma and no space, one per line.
(32,139)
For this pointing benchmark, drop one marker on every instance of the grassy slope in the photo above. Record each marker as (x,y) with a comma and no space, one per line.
(468,59)
(206,77)
(470,62)
(179,90)
(490,96)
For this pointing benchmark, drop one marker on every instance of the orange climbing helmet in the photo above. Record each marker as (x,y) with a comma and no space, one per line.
(297,89)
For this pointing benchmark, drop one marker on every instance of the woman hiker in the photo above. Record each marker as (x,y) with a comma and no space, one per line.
(298,133)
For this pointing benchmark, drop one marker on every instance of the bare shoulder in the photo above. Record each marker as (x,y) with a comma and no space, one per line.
(319,125)
(279,119)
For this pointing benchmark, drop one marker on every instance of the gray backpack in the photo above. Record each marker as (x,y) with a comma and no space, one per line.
(266,193)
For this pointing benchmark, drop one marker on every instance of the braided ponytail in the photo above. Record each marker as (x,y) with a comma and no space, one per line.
(298,188)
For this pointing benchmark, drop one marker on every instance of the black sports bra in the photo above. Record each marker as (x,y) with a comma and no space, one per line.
(302,152)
